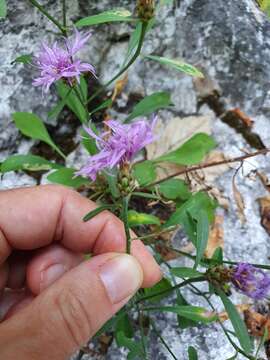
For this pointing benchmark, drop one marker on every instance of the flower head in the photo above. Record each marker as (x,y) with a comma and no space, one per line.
(251,281)
(118,145)
(57,62)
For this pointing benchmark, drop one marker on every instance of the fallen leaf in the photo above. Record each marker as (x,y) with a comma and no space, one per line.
(241,116)
(264,179)
(119,86)
(171,134)
(265,212)
(216,236)
(238,199)
(256,323)
(223,316)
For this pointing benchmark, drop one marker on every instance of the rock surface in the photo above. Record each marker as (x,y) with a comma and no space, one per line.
(230,41)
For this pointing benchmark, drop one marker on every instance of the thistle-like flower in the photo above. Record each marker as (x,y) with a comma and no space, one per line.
(57,62)
(251,281)
(118,145)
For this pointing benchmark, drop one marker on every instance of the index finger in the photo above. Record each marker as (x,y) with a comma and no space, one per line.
(32,218)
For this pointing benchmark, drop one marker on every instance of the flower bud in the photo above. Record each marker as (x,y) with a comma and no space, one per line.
(145,9)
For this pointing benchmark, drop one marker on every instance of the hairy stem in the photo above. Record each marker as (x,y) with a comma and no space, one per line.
(51,18)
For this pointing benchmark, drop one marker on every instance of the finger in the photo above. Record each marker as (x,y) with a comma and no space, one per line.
(48,265)
(54,213)
(64,316)
(10,299)
(3,276)
(17,263)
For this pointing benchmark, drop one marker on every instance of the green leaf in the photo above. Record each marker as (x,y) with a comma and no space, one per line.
(191,152)
(111,323)
(218,256)
(190,209)
(67,177)
(183,322)
(144,172)
(133,42)
(192,353)
(27,162)
(23,59)
(194,313)
(237,322)
(106,17)
(123,325)
(177,65)
(32,126)
(134,347)
(136,219)
(184,272)
(71,99)
(202,235)
(107,103)
(174,188)
(150,104)
(163,285)
(96,211)
(88,142)
(3,9)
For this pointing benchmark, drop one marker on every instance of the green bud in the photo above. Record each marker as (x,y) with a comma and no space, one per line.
(145,9)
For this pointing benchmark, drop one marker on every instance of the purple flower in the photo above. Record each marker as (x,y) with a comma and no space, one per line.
(251,281)
(57,62)
(118,145)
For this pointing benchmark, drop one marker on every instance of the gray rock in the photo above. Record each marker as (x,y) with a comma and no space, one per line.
(229,40)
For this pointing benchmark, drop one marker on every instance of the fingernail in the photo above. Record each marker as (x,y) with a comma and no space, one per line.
(51,274)
(122,276)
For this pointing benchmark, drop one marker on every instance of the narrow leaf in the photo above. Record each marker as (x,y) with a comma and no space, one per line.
(135,219)
(144,172)
(150,104)
(237,322)
(163,285)
(177,65)
(191,152)
(106,17)
(27,162)
(32,126)
(96,211)
(66,176)
(194,313)
(184,272)
(23,59)
(202,235)
(3,9)
(192,353)
(174,188)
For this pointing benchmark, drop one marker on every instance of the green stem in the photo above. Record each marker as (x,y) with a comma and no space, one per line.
(125,221)
(51,18)
(64,11)
(143,337)
(132,60)
(162,339)
(183,283)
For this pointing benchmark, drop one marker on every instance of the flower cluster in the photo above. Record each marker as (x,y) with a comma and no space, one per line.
(251,281)
(118,145)
(57,62)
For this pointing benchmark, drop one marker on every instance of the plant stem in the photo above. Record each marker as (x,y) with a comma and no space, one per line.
(64,11)
(51,18)
(136,54)
(162,339)
(211,164)
(183,283)
(143,337)
(125,221)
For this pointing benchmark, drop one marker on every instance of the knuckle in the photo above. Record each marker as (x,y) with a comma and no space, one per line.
(75,316)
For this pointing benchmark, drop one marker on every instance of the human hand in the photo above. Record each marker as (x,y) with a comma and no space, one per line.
(51,301)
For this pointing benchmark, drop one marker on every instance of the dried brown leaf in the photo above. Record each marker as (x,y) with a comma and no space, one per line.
(223,316)
(238,199)
(265,212)
(257,323)
(119,86)
(216,236)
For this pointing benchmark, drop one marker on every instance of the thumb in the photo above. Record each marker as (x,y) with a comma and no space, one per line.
(64,316)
